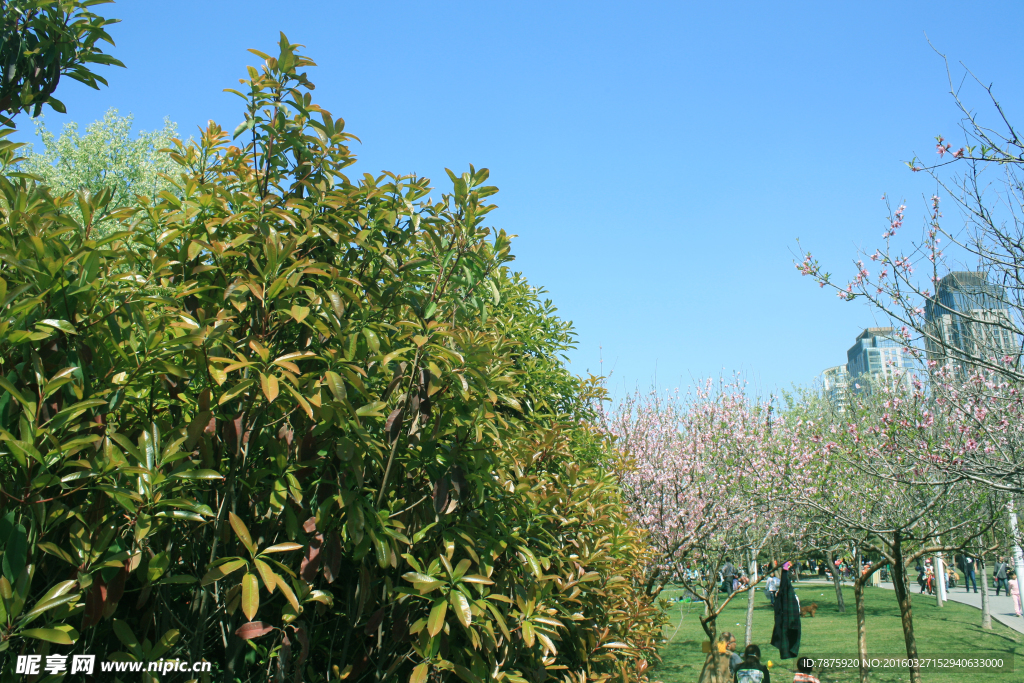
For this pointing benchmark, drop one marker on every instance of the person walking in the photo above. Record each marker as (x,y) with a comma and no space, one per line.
(1000,576)
(752,670)
(969,566)
(1014,590)
(728,574)
(772,588)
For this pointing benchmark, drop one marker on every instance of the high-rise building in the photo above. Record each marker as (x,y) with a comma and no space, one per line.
(835,383)
(969,319)
(878,356)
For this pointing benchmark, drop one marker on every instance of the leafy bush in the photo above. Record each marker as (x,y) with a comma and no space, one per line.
(302,427)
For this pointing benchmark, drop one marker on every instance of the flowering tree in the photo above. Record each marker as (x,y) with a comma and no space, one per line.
(887,491)
(698,484)
(990,235)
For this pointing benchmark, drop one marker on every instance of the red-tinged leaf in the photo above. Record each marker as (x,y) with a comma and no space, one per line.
(253,629)
(94,603)
(332,557)
(393,425)
(250,595)
(242,532)
(435,622)
(309,526)
(311,558)
(116,588)
(374,622)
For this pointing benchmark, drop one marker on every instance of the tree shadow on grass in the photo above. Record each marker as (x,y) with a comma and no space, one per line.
(991,634)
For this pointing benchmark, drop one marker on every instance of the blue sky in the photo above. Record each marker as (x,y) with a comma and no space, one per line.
(657,160)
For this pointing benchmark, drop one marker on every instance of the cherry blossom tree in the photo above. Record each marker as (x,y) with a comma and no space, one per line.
(703,479)
(887,491)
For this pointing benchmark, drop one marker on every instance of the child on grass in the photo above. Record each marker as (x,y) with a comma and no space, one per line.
(805,671)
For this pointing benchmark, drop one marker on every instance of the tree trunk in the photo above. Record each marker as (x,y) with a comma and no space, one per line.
(862,639)
(709,623)
(840,602)
(986,609)
(899,570)
(752,577)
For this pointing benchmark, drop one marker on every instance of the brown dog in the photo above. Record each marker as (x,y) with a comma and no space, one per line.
(809,610)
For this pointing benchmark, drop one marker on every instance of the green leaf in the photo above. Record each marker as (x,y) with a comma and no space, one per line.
(243,533)
(420,673)
(282,548)
(435,622)
(62,325)
(235,391)
(423,583)
(371,340)
(222,570)
(250,595)
(198,475)
(60,636)
(337,385)
(461,606)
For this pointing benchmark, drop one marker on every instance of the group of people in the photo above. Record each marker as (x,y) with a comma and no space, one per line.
(724,664)
(748,668)
(1003,576)
(926,577)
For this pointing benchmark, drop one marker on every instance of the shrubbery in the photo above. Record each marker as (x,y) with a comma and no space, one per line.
(303,427)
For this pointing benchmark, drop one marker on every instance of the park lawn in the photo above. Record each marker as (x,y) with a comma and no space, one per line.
(952,631)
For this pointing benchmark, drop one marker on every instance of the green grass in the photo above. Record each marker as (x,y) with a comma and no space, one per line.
(953,630)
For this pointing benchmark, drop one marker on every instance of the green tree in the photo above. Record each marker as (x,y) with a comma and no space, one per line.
(107,156)
(294,423)
(42,40)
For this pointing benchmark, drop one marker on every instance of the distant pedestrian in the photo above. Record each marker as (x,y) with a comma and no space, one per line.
(969,565)
(805,671)
(1014,591)
(728,574)
(772,588)
(752,670)
(1000,576)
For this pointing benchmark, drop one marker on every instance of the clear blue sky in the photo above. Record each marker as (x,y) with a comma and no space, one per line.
(657,160)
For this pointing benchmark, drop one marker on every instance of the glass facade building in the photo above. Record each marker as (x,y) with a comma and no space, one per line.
(835,383)
(877,356)
(969,318)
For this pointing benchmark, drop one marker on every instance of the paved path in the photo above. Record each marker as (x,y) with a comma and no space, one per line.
(1001,607)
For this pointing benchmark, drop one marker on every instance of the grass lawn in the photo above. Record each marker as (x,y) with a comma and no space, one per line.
(953,631)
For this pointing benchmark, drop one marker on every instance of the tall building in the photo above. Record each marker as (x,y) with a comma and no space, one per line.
(835,383)
(969,319)
(878,356)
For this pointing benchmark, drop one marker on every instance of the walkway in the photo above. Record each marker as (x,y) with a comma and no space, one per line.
(1001,607)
